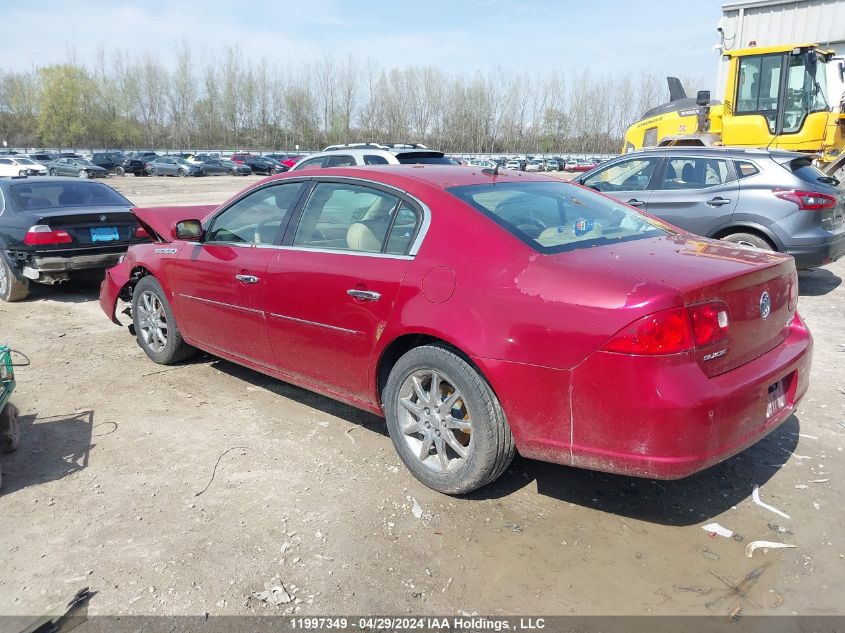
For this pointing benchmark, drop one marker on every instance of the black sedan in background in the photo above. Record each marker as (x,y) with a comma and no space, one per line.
(51,228)
(67,166)
(261,165)
(173,166)
(118,163)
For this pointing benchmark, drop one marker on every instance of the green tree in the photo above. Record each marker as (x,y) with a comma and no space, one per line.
(66,101)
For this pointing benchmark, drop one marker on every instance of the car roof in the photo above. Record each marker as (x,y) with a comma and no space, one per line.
(746,152)
(439,176)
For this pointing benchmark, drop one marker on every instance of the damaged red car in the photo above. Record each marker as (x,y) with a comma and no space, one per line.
(480,313)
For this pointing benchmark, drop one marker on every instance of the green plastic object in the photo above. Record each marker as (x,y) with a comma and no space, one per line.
(7,376)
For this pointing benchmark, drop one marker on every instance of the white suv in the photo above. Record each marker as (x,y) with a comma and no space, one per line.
(372,154)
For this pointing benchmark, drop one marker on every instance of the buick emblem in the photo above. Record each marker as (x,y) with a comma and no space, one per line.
(765,305)
(102,218)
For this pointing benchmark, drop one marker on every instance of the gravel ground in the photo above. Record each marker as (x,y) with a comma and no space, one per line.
(183,490)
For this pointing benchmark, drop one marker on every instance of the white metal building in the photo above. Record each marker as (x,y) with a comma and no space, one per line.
(772,22)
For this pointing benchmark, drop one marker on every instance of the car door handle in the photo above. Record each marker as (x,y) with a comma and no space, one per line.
(364,295)
(718,201)
(635,203)
(247,279)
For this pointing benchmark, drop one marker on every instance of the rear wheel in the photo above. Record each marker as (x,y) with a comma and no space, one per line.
(445,421)
(83,174)
(11,288)
(153,172)
(53,172)
(749,239)
(119,171)
(22,172)
(155,328)
(183,173)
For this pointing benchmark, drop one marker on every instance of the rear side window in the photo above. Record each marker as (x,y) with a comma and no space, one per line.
(312,163)
(695,173)
(339,161)
(372,159)
(744,169)
(556,217)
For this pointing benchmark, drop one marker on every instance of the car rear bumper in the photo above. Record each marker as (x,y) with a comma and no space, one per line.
(50,268)
(820,253)
(657,417)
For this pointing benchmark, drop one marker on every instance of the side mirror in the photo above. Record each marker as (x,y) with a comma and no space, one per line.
(702,98)
(188,230)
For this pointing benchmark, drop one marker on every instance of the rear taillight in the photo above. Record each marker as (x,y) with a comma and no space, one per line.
(666,332)
(674,331)
(807,200)
(141,233)
(710,323)
(41,234)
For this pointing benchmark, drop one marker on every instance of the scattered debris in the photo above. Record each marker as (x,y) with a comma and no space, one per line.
(273,594)
(214,472)
(515,528)
(715,528)
(708,554)
(819,481)
(749,549)
(739,588)
(801,486)
(809,437)
(348,431)
(779,528)
(416,509)
(816,505)
(755,495)
(735,614)
(701,590)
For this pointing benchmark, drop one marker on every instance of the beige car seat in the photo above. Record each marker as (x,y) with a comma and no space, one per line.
(368,234)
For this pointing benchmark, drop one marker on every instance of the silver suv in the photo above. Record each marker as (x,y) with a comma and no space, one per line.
(372,154)
(774,200)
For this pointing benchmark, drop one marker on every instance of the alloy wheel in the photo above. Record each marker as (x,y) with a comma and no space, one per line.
(152,321)
(435,421)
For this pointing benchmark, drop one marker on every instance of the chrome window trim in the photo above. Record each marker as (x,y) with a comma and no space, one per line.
(307,249)
(315,323)
(2,201)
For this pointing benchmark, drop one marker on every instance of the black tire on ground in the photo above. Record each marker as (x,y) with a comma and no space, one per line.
(53,172)
(10,438)
(231,172)
(183,173)
(491,446)
(119,171)
(176,349)
(153,172)
(749,239)
(11,288)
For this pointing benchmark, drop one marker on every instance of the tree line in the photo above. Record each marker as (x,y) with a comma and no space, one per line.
(137,101)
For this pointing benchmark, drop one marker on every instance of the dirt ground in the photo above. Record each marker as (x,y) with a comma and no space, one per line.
(105,492)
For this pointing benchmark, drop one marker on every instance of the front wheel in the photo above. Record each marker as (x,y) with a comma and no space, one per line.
(153,172)
(11,288)
(155,328)
(183,173)
(53,172)
(749,239)
(119,171)
(445,421)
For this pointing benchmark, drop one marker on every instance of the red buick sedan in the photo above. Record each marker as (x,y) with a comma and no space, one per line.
(480,313)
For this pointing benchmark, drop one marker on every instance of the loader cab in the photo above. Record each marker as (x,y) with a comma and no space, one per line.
(775,92)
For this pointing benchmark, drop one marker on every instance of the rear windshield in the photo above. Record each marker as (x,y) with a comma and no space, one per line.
(422,158)
(553,217)
(44,195)
(804,169)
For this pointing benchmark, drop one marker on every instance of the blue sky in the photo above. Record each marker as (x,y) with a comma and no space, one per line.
(457,36)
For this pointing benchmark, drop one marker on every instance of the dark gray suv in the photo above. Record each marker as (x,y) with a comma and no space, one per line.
(774,200)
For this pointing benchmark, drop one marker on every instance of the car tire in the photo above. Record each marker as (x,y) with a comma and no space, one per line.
(10,439)
(153,172)
(83,174)
(749,239)
(119,171)
(11,288)
(182,173)
(481,431)
(151,313)
(53,172)
(22,173)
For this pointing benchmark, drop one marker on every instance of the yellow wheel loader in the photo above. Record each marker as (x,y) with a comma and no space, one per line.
(775,97)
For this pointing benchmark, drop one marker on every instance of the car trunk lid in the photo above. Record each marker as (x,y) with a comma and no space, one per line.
(705,270)
(101,226)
